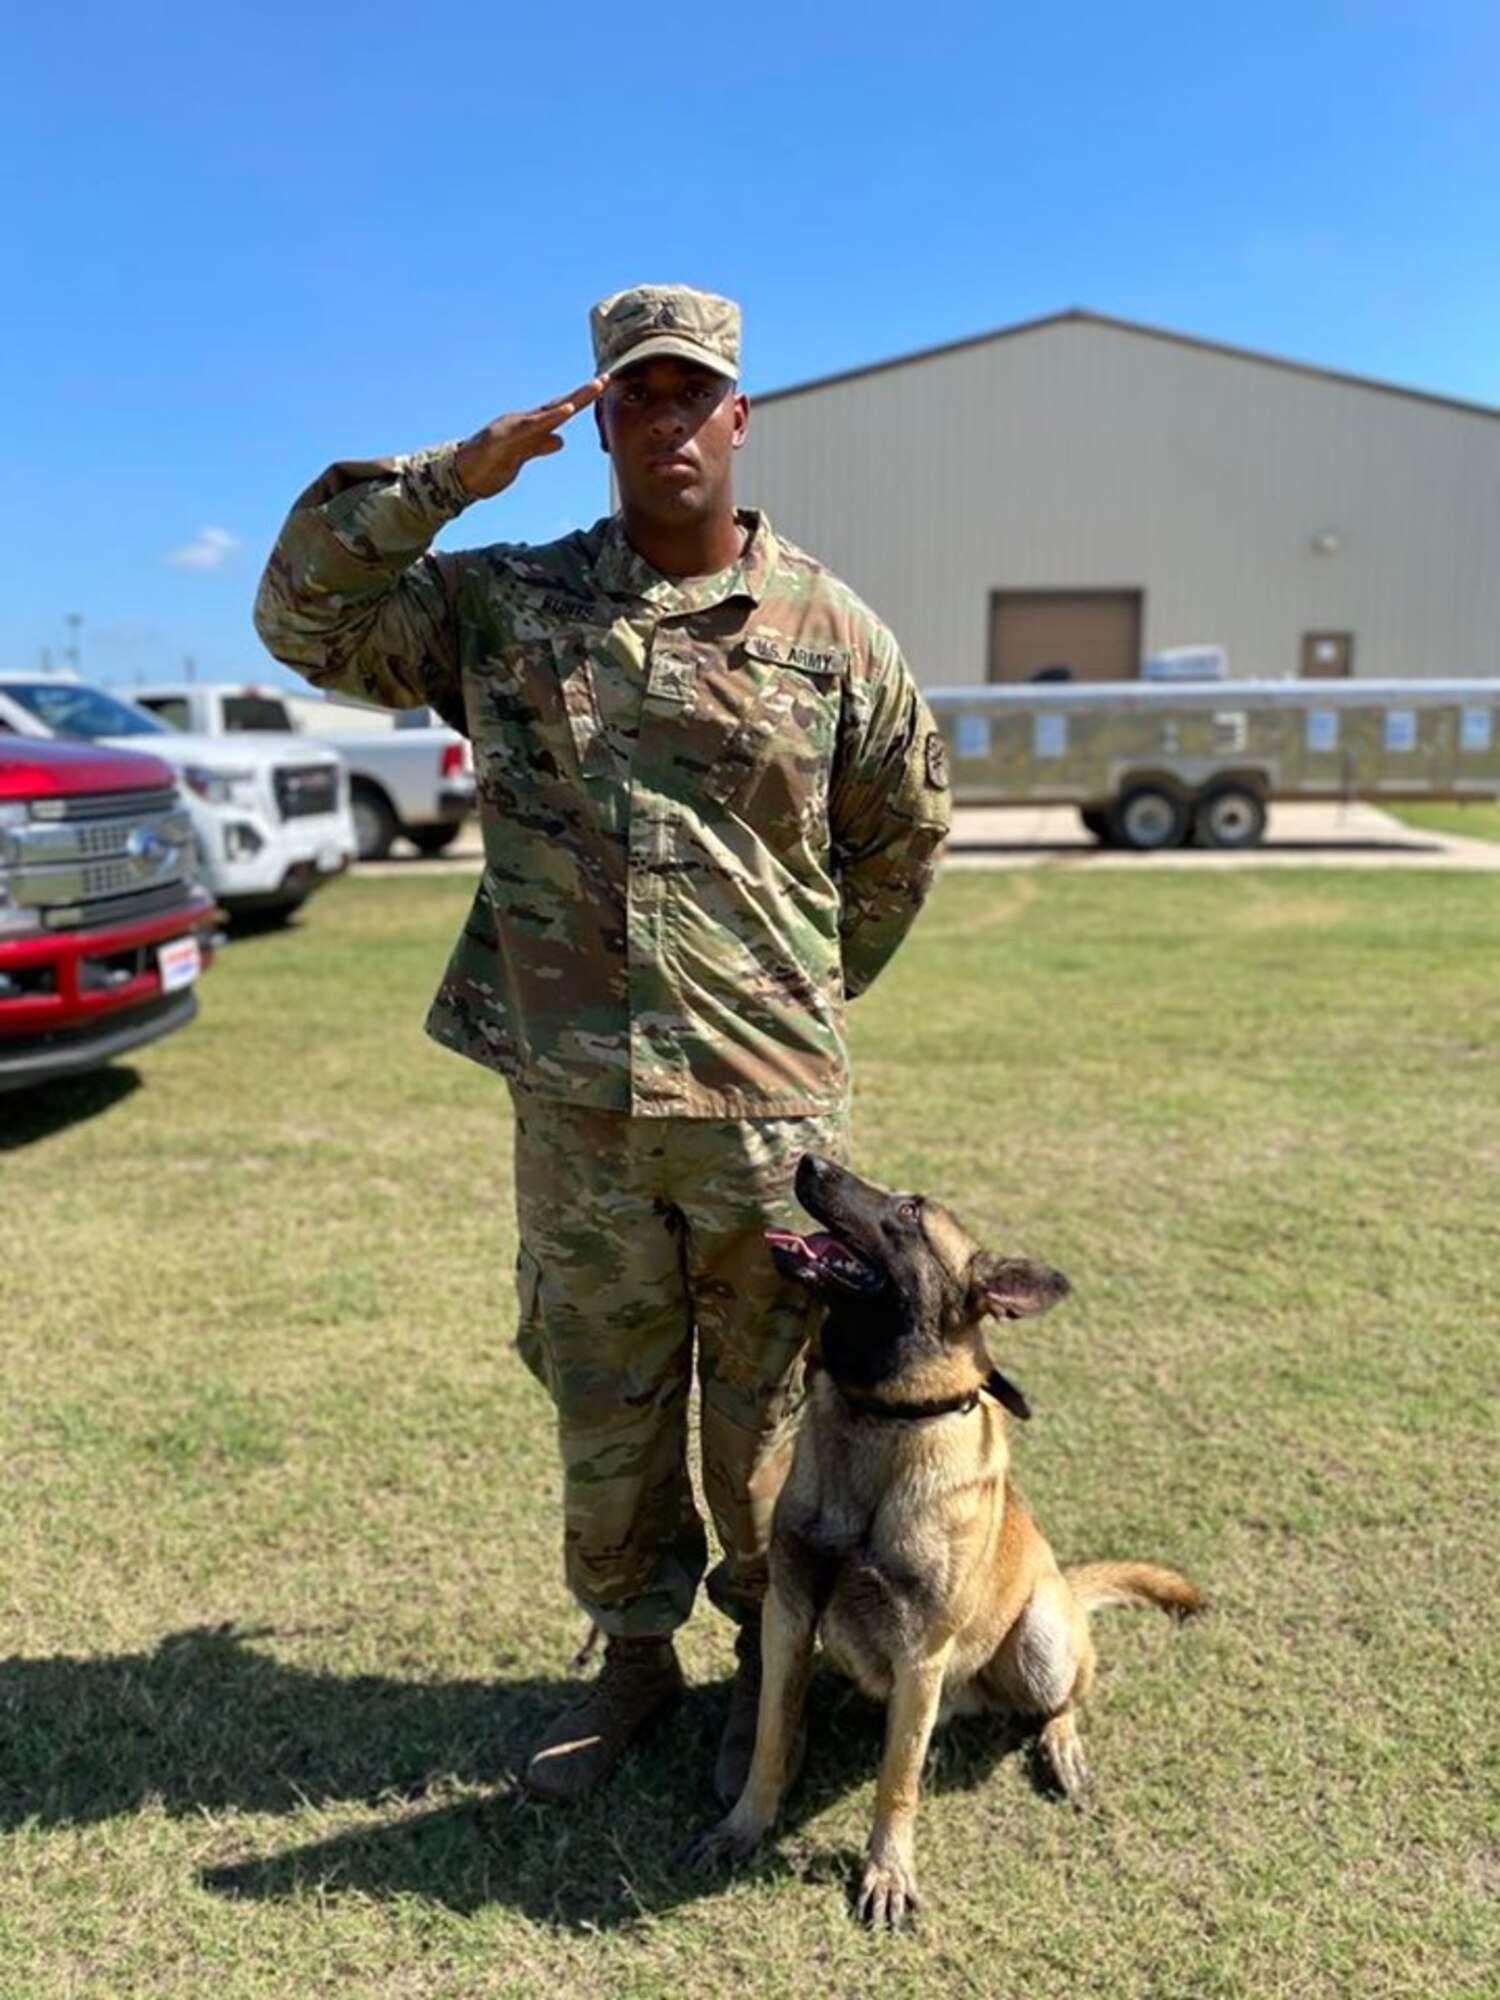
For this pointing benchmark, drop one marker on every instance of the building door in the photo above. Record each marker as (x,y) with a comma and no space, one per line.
(1327,656)
(1079,635)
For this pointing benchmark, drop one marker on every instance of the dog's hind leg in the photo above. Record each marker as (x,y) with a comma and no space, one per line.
(1044,1668)
(1063,1749)
(786,1645)
(888,1892)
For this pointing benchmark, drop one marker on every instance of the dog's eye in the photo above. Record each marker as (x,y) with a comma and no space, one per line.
(909,1210)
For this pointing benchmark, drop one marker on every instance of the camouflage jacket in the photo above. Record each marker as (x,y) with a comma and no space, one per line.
(670,918)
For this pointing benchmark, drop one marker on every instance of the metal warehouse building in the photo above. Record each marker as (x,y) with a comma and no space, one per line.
(1078,492)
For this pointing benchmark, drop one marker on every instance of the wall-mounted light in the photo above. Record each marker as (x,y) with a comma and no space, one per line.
(1326,542)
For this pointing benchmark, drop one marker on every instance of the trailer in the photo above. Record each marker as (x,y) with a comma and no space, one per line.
(1150,765)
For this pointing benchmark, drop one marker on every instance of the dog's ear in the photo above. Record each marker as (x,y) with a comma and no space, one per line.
(1014,1287)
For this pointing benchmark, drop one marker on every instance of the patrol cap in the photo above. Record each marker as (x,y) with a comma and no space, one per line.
(647,320)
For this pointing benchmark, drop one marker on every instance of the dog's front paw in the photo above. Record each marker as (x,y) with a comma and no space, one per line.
(723,1846)
(888,1893)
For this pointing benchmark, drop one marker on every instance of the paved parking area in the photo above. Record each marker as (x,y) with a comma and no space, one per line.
(1297,836)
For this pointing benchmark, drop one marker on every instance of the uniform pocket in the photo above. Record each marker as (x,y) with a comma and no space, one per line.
(778,700)
(537,714)
(531,1334)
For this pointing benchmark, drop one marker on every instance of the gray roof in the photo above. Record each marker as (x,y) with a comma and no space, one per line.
(1081,316)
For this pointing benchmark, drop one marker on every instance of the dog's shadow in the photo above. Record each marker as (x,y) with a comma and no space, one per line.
(209,1722)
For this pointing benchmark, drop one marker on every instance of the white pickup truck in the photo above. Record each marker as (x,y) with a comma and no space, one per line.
(403,782)
(270,818)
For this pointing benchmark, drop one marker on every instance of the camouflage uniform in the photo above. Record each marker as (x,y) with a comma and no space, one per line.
(636,1235)
(710,808)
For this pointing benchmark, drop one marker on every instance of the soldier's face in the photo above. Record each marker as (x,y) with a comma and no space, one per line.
(671,429)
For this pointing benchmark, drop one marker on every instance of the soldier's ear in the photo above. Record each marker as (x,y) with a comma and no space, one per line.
(741,417)
(1014,1287)
(599,425)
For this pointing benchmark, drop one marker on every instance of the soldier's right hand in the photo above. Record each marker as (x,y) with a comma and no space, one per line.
(489,461)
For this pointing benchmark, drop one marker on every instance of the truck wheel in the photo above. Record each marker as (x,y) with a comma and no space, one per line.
(1229,816)
(1096,821)
(374,823)
(1147,817)
(432,839)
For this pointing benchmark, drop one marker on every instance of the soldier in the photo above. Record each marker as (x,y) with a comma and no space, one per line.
(711,799)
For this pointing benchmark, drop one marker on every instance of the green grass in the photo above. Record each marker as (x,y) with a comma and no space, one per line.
(1476,819)
(282,1603)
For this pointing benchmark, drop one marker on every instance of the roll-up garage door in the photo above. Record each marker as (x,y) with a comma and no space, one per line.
(1081,635)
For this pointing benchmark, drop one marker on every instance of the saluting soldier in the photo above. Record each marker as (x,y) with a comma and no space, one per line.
(711,800)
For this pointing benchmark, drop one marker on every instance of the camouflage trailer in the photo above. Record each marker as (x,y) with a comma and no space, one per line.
(1152,764)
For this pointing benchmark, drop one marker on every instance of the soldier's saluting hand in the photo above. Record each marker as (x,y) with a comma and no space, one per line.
(488,462)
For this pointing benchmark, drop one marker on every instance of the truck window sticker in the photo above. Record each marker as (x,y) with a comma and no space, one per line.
(971,736)
(1322,728)
(1476,728)
(1049,736)
(1400,729)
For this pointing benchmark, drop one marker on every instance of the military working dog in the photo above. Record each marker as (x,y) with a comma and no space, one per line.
(897,1540)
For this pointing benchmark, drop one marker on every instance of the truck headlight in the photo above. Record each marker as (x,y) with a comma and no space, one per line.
(12,916)
(234,787)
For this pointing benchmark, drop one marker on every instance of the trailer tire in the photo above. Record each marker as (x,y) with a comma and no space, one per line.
(1148,817)
(375,825)
(1229,816)
(1096,821)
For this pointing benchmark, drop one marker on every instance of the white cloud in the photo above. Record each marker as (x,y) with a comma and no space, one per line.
(210,548)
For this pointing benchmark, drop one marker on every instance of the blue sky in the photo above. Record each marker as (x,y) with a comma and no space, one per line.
(246,240)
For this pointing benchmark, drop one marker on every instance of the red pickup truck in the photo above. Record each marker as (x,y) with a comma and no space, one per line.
(104,928)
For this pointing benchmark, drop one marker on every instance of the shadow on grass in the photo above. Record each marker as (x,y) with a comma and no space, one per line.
(206,1722)
(47,1109)
(276,922)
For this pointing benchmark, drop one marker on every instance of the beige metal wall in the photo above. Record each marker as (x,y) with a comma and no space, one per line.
(1087,456)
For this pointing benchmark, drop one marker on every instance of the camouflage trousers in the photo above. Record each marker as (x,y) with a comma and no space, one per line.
(643,1261)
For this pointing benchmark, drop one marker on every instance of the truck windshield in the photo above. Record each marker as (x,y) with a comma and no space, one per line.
(68,709)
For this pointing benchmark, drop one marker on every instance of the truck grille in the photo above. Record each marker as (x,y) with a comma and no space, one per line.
(112,909)
(302,789)
(108,805)
(99,857)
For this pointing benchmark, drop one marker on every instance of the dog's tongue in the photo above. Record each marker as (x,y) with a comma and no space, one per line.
(825,1253)
(785,1239)
(805,1249)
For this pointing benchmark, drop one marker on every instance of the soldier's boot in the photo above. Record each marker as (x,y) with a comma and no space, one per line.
(639,1684)
(737,1744)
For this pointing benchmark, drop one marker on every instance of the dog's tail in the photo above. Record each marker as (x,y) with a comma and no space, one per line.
(1096,1584)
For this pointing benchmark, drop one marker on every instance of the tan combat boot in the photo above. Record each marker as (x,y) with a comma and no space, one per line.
(639,1683)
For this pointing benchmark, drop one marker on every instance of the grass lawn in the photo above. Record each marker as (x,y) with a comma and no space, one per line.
(282,1606)
(1476,819)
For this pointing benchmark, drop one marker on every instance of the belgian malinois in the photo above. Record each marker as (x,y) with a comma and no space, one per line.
(897,1540)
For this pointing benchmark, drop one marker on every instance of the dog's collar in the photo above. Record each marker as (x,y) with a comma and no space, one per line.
(994,1384)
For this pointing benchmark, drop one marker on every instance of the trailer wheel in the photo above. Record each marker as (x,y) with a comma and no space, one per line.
(1147,817)
(1096,821)
(1229,816)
